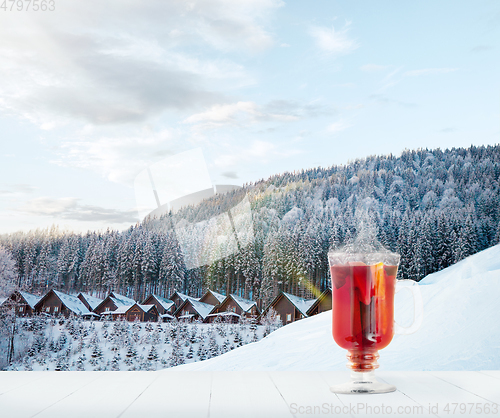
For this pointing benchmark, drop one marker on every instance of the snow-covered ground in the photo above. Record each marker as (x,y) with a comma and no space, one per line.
(460,331)
(120,345)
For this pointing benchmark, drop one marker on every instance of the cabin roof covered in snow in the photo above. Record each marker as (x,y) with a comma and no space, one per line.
(125,308)
(301,304)
(120,310)
(91,300)
(218,296)
(244,304)
(124,300)
(72,303)
(166,303)
(183,297)
(224,314)
(30,299)
(203,309)
(319,299)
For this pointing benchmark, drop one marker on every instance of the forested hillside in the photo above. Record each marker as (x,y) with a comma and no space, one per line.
(434,207)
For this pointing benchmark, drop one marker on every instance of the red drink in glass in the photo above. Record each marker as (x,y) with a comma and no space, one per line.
(363,310)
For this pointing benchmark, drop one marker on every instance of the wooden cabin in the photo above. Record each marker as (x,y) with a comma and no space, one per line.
(143,313)
(122,298)
(225,317)
(90,302)
(23,302)
(289,308)
(58,303)
(179,298)
(166,317)
(323,303)
(237,305)
(192,309)
(163,305)
(212,298)
(112,302)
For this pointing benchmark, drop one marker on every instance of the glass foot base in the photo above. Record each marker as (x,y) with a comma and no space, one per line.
(363,383)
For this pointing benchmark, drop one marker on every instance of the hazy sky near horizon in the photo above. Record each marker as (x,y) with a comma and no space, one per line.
(95,91)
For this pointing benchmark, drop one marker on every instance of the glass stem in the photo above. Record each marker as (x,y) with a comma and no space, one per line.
(363,377)
(362,361)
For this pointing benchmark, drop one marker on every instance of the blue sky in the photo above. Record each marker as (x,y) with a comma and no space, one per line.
(95,91)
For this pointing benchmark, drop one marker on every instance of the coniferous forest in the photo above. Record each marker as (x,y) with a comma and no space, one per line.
(433,207)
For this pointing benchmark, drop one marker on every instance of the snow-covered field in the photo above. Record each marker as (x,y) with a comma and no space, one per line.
(74,344)
(460,331)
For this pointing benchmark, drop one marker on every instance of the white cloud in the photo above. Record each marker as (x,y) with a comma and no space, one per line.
(49,206)
(337,127)
(225,113)
(333,41)
(88,63)
(17,189)
(119,154)
(68,208)
(247,113)
(117,157)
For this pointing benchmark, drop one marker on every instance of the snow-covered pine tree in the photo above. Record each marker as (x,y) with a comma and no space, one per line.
(80,362)
(8,273)
(213,346)
(115,363)
(177,356)
(190,353)
(153,355)
(172,269)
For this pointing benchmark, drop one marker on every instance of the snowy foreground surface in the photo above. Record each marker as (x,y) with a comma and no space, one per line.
(242,394)
(460,331)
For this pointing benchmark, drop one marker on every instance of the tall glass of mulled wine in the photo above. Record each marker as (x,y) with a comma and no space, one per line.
(363,289)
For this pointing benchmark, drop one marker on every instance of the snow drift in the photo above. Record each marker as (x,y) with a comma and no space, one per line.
(460,331)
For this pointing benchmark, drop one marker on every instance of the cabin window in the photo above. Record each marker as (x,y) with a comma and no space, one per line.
(278,317)
(107,308)
(47,309)
(20,309)
(56,309)
(288,317)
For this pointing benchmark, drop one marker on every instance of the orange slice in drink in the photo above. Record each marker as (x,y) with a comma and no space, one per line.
(379,285)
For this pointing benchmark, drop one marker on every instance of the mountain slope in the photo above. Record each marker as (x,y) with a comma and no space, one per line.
(460,331)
